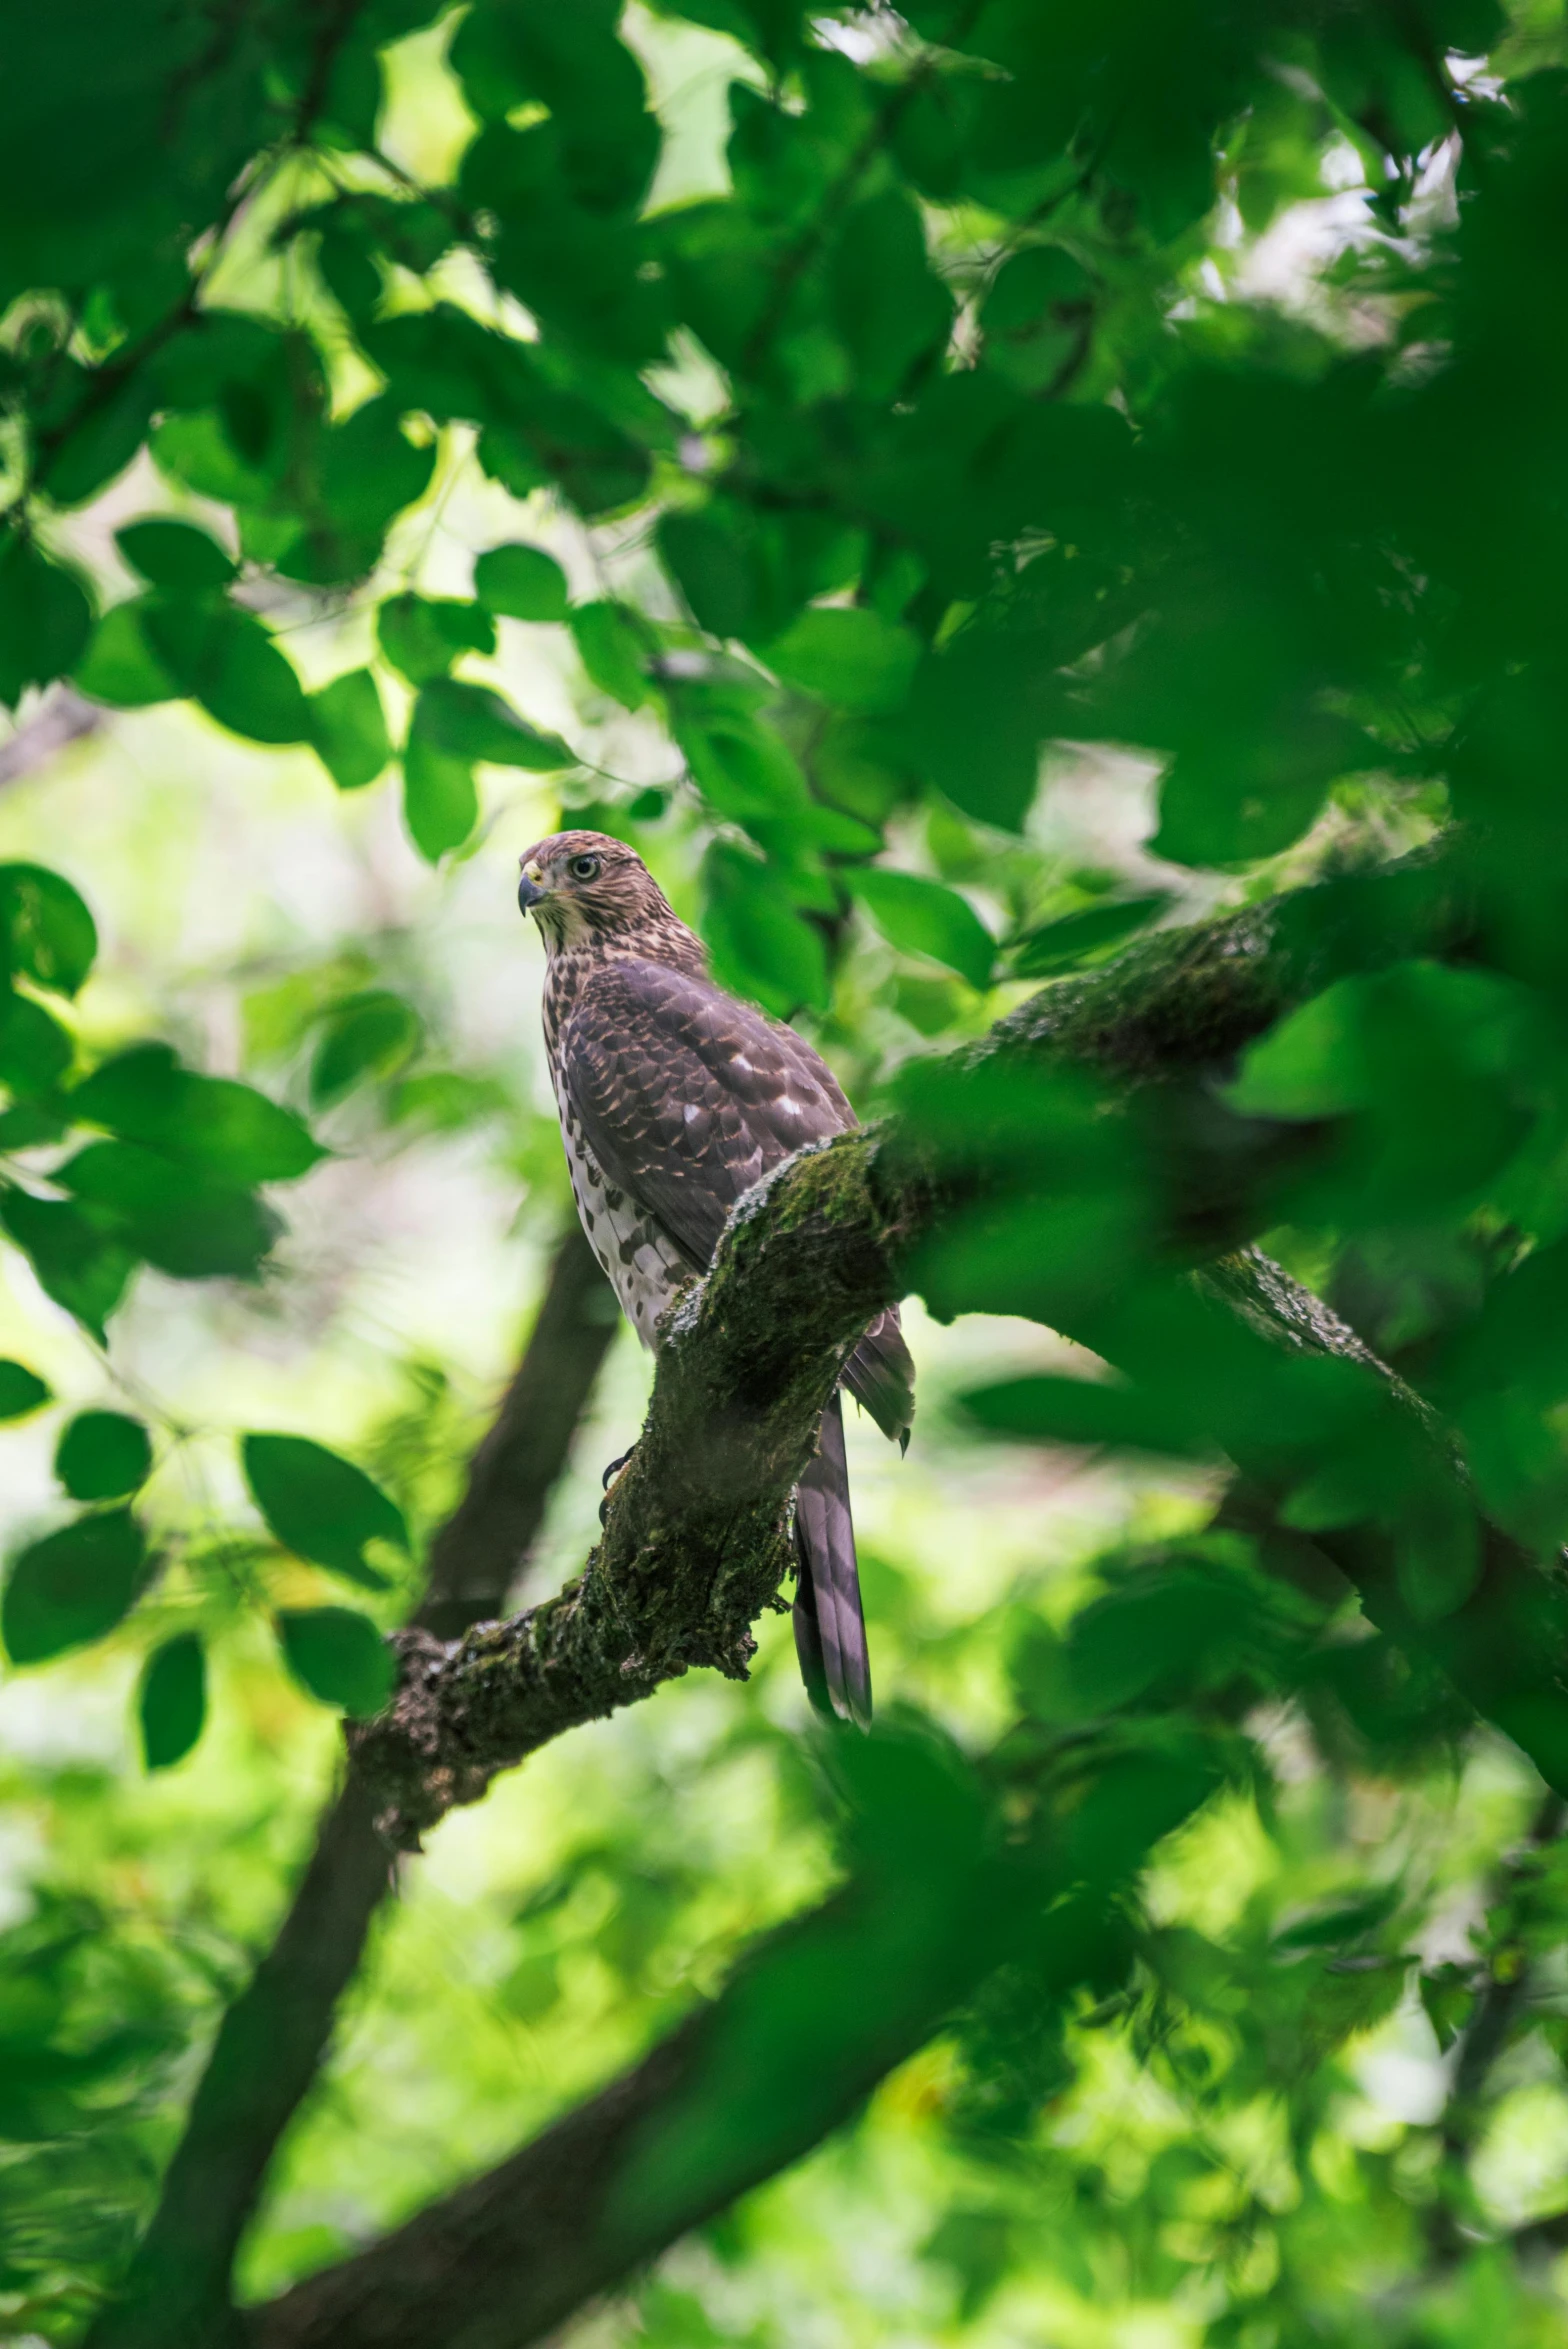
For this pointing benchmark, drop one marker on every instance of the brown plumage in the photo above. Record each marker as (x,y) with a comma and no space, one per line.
(675,1098)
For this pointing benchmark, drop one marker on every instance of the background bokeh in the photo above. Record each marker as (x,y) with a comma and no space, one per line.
(1161,2189)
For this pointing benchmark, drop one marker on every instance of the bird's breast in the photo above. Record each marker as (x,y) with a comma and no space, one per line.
(637,1256)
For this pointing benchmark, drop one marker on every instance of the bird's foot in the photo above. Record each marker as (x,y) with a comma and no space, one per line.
(608,1479)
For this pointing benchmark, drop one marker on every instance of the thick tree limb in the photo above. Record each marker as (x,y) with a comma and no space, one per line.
(695,1545)
(271,2041)
(696,1541)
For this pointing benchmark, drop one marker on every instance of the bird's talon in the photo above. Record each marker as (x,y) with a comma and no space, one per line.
(610,1474)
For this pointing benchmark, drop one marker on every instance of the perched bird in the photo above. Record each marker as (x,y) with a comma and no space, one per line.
(675,1098)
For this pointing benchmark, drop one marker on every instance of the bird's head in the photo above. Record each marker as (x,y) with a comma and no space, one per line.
(585,889)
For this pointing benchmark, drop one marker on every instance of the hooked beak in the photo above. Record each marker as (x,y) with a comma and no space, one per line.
(530,889)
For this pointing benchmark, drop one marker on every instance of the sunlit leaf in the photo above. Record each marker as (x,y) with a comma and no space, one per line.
(761,944)
(50,936)
(44,617)
(174,555)
(339,1656)
(81,1260)
(229,1130)
(924,917)
(853,658)
(1059,945)
(226,660)
(423,635)
(521,583)
(612,651)
(321,1506)
(440,798)
(120,665)
(21,1390)
(172,1700)
(182,1218)
(470,722)
(1043,1409)
(369,1035)
(102,1456)
(35,1051)
(348,729)
(72,1587)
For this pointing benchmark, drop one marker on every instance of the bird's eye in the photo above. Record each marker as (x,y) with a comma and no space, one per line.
(583,868)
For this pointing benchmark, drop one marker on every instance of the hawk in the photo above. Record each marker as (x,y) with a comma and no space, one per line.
(675,1098)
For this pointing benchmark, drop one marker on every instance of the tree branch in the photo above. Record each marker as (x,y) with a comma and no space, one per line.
(271,2040)
(787,2053)
(65,717)
(686,1560)
(696,1539)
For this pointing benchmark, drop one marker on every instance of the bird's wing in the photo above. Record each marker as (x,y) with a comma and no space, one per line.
(687,1096)
(881,1377)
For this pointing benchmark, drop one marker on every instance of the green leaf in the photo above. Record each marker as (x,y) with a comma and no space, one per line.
(174,555)
(741,767)
(423,635)
(440,799)
(35,1050)
(853,658)
(348,729)
(21,1390)
(44,618)
(225,659)
(1061,945)
(761,946)
(50,936)
(81,1258)
(340,1657)
(521,583)
(26,1124)
(177,1216)
(226,1129)
(320,1506)
(611,650)
(369,1035)
(103,1456)
(1035,316)
(120,665)
(1081,1411)
(889,308)
(172,1703)
(72,1587)
(978,714)
(470,722)
(922,917)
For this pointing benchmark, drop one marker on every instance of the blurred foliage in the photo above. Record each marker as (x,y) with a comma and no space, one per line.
(968,492)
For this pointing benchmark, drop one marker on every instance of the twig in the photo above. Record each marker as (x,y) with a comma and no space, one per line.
(66,717)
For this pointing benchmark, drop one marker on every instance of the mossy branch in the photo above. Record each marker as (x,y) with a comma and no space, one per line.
(696,1540)
(696,1543)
